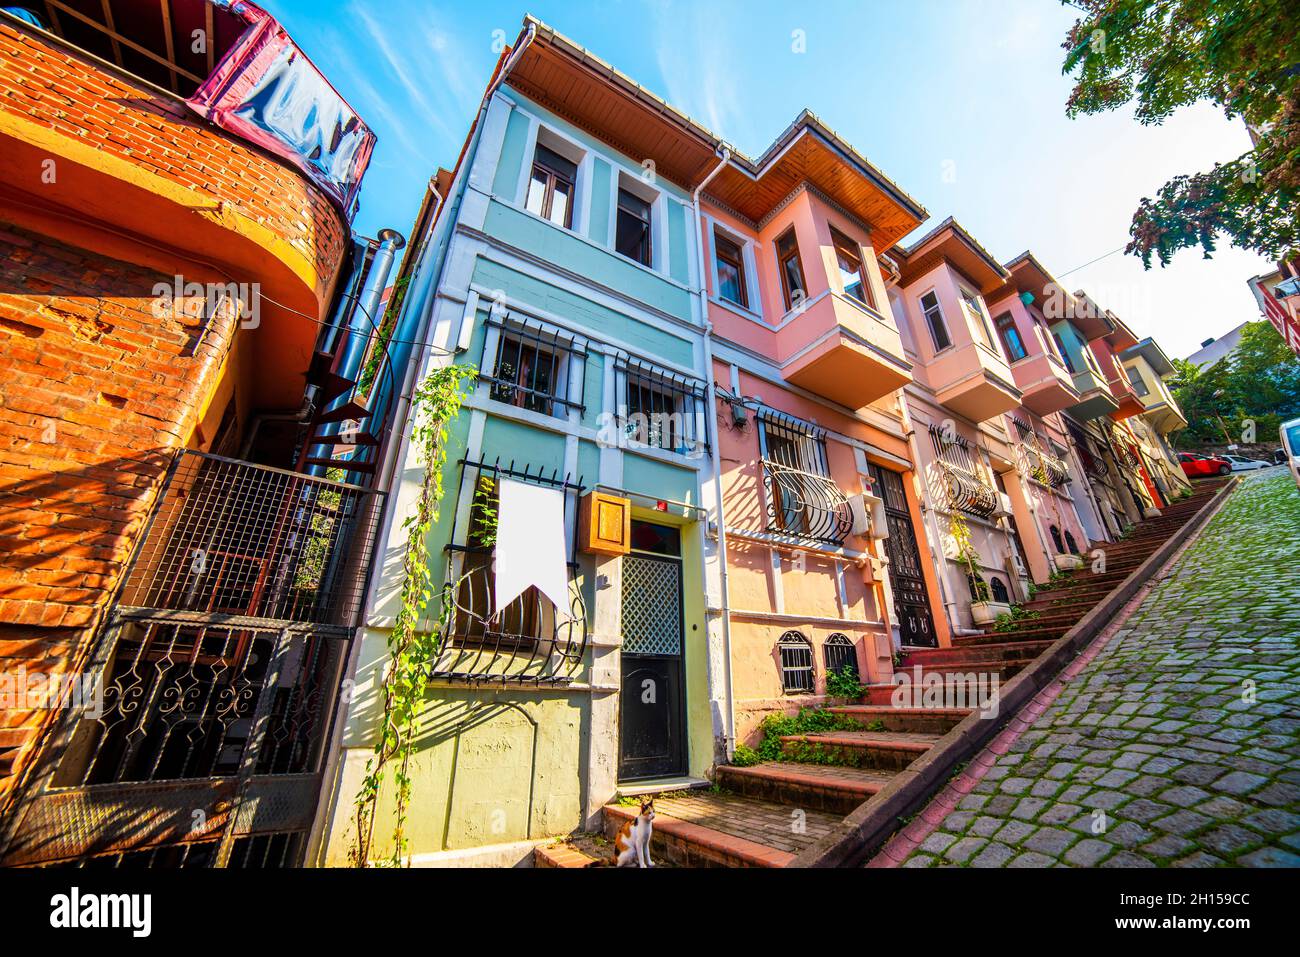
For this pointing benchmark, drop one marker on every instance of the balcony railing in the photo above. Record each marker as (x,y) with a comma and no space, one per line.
(233,540)
(805,505)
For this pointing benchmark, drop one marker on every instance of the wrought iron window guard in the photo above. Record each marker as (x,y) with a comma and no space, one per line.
(796,664)
(840,653)
(802,501)
(529,367)
(805,505)
(661,408)
(966,491)
(527,640)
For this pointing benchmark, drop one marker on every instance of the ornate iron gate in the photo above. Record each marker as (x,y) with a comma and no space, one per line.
(911,600)
(214,681)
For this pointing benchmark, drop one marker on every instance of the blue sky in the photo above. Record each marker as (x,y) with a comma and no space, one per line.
(961,102)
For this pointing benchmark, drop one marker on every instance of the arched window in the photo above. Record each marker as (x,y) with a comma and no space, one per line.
(1071,544)
(999,589)
(1056,540)
(840,654)
(796,663)
(979,588)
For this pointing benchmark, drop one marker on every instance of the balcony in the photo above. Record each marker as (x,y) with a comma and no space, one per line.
(842,350)
(1095,399)
(974,382)
(1045,384)
(1164,415)
(138,169)
(1128,400)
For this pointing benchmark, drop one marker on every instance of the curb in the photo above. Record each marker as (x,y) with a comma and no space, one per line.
(861,833)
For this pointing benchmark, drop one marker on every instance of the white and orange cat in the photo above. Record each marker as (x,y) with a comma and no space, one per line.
(632,844)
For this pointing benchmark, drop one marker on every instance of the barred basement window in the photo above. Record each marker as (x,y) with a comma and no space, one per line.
(999,589)
(840,654)
(662,409)
(1057,541)
(1071,545)
(531,366)
(796,663)
(803,502)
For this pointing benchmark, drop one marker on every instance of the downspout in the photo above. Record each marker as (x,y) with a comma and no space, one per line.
(392,455)
(711,392)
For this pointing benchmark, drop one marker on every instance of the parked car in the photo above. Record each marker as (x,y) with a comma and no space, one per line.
(1242,464)
(1195,465)
(1290,433)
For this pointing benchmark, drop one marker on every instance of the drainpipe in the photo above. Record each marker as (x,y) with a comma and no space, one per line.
(393,455)
(712,400)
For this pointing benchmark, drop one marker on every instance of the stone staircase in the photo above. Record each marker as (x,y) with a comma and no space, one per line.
(765,814)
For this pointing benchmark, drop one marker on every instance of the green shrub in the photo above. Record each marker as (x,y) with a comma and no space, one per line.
(844,683)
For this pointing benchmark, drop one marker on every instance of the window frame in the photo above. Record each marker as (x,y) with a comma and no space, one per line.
(1138,381)
(974,308)
(1010,326)
(647,222)
(937,309)
(742,280)
(527,334)
(552,176)
(844,246)
(782,262)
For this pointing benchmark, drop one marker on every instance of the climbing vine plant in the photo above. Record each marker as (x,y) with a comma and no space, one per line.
(436,402)
(967,554)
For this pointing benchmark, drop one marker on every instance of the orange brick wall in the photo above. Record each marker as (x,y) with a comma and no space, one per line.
(94,394)
(68,93)
(95,391)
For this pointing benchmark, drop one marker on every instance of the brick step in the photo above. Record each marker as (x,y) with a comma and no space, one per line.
(563,855)
(830,788)
(1064,601)
(710,829)
(1005,670)
(1094,588)
(1049,632)
(887,750)
(922,720)
(1024,649)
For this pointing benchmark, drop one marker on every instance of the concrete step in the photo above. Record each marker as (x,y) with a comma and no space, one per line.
(889,718)
(716,829)
(831,788)
(885,750)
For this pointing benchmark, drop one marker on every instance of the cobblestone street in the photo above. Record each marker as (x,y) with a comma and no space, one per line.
(1179,742)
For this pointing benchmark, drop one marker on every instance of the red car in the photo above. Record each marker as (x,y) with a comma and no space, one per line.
(1195,465)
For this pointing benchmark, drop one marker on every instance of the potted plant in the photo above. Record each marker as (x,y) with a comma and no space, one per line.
(983,609)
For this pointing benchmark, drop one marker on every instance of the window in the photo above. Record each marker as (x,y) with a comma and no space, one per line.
(731,270)
(663,409)
(971,303)
(796,663)
(1010,336)
(999,589)
(1135,379)
(963,478)
(793,287)
(632,231)
(550,188)
(531,368)
(1056,539)
(934,319)
(840,654)
(803,502)
(1065,356)
(849,258)
(1070,544)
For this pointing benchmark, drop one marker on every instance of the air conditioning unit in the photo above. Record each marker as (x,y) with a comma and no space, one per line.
(1004,505)
(868,513)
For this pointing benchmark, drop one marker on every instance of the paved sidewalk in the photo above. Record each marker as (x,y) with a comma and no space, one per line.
(1177,742)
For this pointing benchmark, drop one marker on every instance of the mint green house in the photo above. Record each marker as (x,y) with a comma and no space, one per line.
(563,264)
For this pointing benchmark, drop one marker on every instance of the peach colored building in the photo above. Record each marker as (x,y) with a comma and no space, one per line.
(813,451)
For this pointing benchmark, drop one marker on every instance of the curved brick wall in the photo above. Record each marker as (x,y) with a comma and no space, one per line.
(74,95)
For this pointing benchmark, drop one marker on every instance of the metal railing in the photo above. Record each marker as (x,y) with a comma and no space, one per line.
(661,408)
(529,367)
(529,639)
(805,505)
(231,538)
